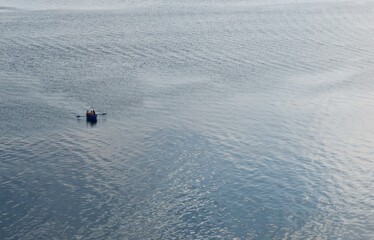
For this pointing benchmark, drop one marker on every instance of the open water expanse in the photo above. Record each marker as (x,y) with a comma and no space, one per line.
(225,119)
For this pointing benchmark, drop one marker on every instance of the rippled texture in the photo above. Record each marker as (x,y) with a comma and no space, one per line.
(226,119)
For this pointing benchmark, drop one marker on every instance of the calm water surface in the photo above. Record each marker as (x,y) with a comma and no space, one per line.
(226,120)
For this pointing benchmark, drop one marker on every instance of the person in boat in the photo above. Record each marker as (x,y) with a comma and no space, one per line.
(93,112)
(88,113)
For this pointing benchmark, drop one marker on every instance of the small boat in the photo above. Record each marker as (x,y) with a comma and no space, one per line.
(91,118)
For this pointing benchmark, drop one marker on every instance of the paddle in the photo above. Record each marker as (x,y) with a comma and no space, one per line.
(78,116)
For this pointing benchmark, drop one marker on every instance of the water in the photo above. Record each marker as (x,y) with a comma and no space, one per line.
(226,119)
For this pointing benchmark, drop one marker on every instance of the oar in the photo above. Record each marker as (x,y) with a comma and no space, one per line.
(78,116)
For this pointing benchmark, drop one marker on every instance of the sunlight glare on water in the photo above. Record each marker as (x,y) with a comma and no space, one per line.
(225,120)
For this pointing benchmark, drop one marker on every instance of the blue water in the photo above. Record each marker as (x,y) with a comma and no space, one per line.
(225,119)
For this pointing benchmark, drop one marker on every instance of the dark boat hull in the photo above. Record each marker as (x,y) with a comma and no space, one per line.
(91,118)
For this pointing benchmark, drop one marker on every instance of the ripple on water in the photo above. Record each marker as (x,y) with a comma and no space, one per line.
(227,120)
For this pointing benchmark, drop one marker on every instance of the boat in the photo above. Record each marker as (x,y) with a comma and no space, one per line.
(91,118)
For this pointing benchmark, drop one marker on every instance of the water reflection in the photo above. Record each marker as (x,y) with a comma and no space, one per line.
(90,123)
(253,123)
